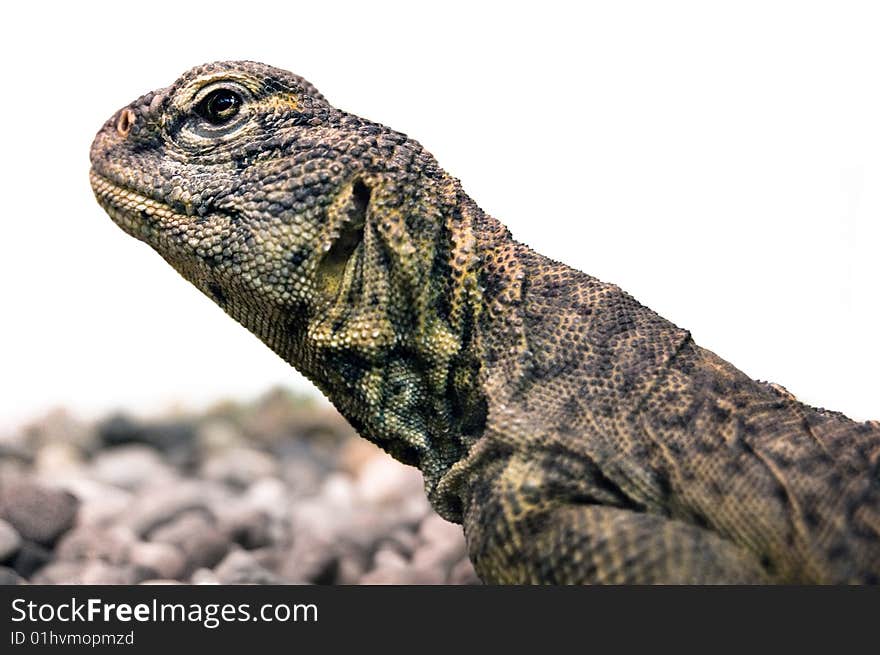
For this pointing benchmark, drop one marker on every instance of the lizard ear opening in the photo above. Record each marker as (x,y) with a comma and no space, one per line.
(353,277)
(331,272)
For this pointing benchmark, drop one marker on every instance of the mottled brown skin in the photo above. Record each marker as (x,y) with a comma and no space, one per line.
(576,435)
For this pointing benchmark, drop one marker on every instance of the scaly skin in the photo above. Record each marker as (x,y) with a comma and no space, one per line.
(576,435)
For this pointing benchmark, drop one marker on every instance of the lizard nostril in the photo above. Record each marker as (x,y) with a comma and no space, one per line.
(125,122)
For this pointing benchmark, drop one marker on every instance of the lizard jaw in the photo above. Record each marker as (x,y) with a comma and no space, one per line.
(134,212)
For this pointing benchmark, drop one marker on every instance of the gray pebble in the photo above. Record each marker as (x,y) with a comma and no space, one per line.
(157,507)
(437,530)
(87,572)
(240,567)
(382,480)
(131,467)
(302,477)
(101,504)
(201,543)
(56,459)
(268,495)
(9,577)
(401,540)
(60,427)
(160,581)
(245,526)
(97,572)
(38,513)
(204,576)
(443,546)
(310,560)
(350,569)
(88,543)
(10,541)
(433,558)
(163,560)
(463,574)
(218,435)
(391,568)
(60,573)
(169,437)
(239,467)
(29,558)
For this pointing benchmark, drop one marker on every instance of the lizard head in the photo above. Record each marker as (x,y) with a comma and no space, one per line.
(214,174)
(257,191)
(334,239)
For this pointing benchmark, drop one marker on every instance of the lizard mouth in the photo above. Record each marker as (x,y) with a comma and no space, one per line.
(133,211)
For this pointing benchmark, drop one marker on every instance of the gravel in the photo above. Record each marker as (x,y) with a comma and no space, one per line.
(278,491)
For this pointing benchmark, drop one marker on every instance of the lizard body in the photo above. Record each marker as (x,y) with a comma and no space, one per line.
(577,435)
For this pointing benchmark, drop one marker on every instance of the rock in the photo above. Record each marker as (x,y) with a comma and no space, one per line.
(16,451)
(389,559)
(383,480)
(95,573)
(318,525)
(240,567)
(9,577)
(302,476)
(336,523)
(165,436)
(87,544)
(311,560)
(250,528)
(269,496)
(132,467)
(101,504)
(12,468)
(163,560)
(279,415)
(10,541)
(338,492)
(104,574)
(36,512)
(60,573)
(29,558)
(413,509)
(391,568)
(218,435)
(239,467)
(437,530)
(60,427)
(58,459)
(204,576)
(269,558)
(357,453)
(463,574)
(156,507)
(443,547)
(201,543)
(160,581)
(350,569)
(401,540)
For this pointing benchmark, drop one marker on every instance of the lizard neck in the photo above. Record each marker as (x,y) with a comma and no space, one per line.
(399,358)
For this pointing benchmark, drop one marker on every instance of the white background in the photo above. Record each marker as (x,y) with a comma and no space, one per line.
(720,161)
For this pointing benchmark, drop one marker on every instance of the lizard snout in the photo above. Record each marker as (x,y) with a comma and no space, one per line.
(124,122)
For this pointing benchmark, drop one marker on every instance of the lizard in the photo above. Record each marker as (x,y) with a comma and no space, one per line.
(576,435)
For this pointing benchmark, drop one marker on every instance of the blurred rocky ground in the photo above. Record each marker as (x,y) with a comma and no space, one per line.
(279,491)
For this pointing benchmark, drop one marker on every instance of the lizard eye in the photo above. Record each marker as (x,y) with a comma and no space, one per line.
(219,106)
